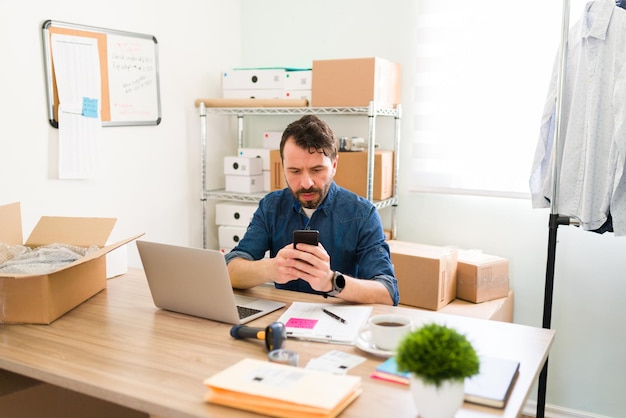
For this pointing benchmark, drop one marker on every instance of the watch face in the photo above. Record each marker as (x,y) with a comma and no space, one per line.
(340,281)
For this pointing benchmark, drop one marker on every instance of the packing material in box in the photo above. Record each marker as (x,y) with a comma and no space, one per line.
(42,298)
(481,277)
(355,82)
(426,274)
(352,173)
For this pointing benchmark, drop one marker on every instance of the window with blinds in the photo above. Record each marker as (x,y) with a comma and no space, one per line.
(482,71)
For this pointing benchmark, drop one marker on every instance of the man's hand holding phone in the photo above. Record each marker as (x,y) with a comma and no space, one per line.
(313,265)
(306,236)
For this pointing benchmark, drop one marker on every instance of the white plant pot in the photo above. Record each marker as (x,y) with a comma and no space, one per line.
(437,402)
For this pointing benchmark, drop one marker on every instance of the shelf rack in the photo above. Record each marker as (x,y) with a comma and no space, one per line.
(372,112)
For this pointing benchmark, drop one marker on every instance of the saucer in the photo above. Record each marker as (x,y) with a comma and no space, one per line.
(364,342)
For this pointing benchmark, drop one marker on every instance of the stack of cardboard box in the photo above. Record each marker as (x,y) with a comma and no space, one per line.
(442,278)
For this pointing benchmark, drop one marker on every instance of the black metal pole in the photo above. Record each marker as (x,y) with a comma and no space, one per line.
(555,221)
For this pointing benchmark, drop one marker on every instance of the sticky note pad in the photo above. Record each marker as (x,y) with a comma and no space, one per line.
(90,107)
(301,323)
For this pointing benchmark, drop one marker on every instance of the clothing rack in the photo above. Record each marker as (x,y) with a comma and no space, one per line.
(555,219)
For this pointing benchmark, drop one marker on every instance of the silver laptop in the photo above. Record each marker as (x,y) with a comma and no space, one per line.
(194,281)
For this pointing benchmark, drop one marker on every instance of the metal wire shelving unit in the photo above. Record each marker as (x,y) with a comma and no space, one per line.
(372,112)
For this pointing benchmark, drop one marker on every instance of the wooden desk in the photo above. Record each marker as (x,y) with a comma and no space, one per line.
(120,348)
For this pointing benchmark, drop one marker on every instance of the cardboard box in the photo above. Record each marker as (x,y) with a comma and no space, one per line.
(426,274)
(355,82)
(352,173)
(42,298)
(277,176)
(235,214)
(481,277)
(500,309)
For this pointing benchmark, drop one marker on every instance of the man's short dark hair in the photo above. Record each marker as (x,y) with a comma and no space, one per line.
(312,133)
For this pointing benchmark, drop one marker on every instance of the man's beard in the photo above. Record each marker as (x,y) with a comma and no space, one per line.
(311,204)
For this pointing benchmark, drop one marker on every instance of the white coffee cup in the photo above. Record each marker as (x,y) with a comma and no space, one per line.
(388,330)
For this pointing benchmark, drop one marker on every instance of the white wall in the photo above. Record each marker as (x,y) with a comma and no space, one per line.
(149,177)
(586,361)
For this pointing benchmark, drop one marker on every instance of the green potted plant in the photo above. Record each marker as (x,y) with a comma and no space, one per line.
(439,359)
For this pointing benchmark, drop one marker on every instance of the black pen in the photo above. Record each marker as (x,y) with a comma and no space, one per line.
(332,315)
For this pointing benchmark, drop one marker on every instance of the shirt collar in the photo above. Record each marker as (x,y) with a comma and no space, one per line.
(597,18)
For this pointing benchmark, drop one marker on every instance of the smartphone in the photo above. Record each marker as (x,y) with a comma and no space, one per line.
(306,236)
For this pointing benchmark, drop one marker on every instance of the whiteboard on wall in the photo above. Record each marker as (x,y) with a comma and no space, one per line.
(129,73)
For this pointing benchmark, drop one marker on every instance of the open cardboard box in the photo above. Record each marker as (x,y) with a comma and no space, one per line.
(40,299)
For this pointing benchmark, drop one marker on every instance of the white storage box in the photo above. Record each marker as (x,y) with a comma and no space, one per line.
(244,184)
(267,180)
(299,80)
(255,78)
(243,166)
(262,153)
(235,214)
(299,94)
(271,139)
(229,236)
(255,94)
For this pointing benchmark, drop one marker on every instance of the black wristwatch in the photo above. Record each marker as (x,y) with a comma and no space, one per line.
(339,282)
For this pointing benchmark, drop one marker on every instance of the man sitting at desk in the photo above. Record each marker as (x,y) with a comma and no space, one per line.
(352,260)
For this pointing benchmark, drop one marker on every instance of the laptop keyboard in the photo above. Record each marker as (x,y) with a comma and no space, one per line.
(246,312)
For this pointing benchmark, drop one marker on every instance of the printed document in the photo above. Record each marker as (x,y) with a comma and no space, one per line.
(325,322)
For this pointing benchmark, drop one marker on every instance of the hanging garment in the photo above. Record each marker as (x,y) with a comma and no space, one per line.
(592,142)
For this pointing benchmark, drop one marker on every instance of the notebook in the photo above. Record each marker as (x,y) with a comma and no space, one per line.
(195,281)
(492,385)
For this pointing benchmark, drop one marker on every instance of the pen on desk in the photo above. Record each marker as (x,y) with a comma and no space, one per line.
(335,316)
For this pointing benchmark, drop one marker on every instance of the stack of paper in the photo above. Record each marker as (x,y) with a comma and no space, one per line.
(282,391)
(325,322)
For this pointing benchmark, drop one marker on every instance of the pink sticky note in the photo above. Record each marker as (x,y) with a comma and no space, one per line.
(301,323)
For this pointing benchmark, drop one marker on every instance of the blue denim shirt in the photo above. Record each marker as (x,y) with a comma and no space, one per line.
(350,230)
